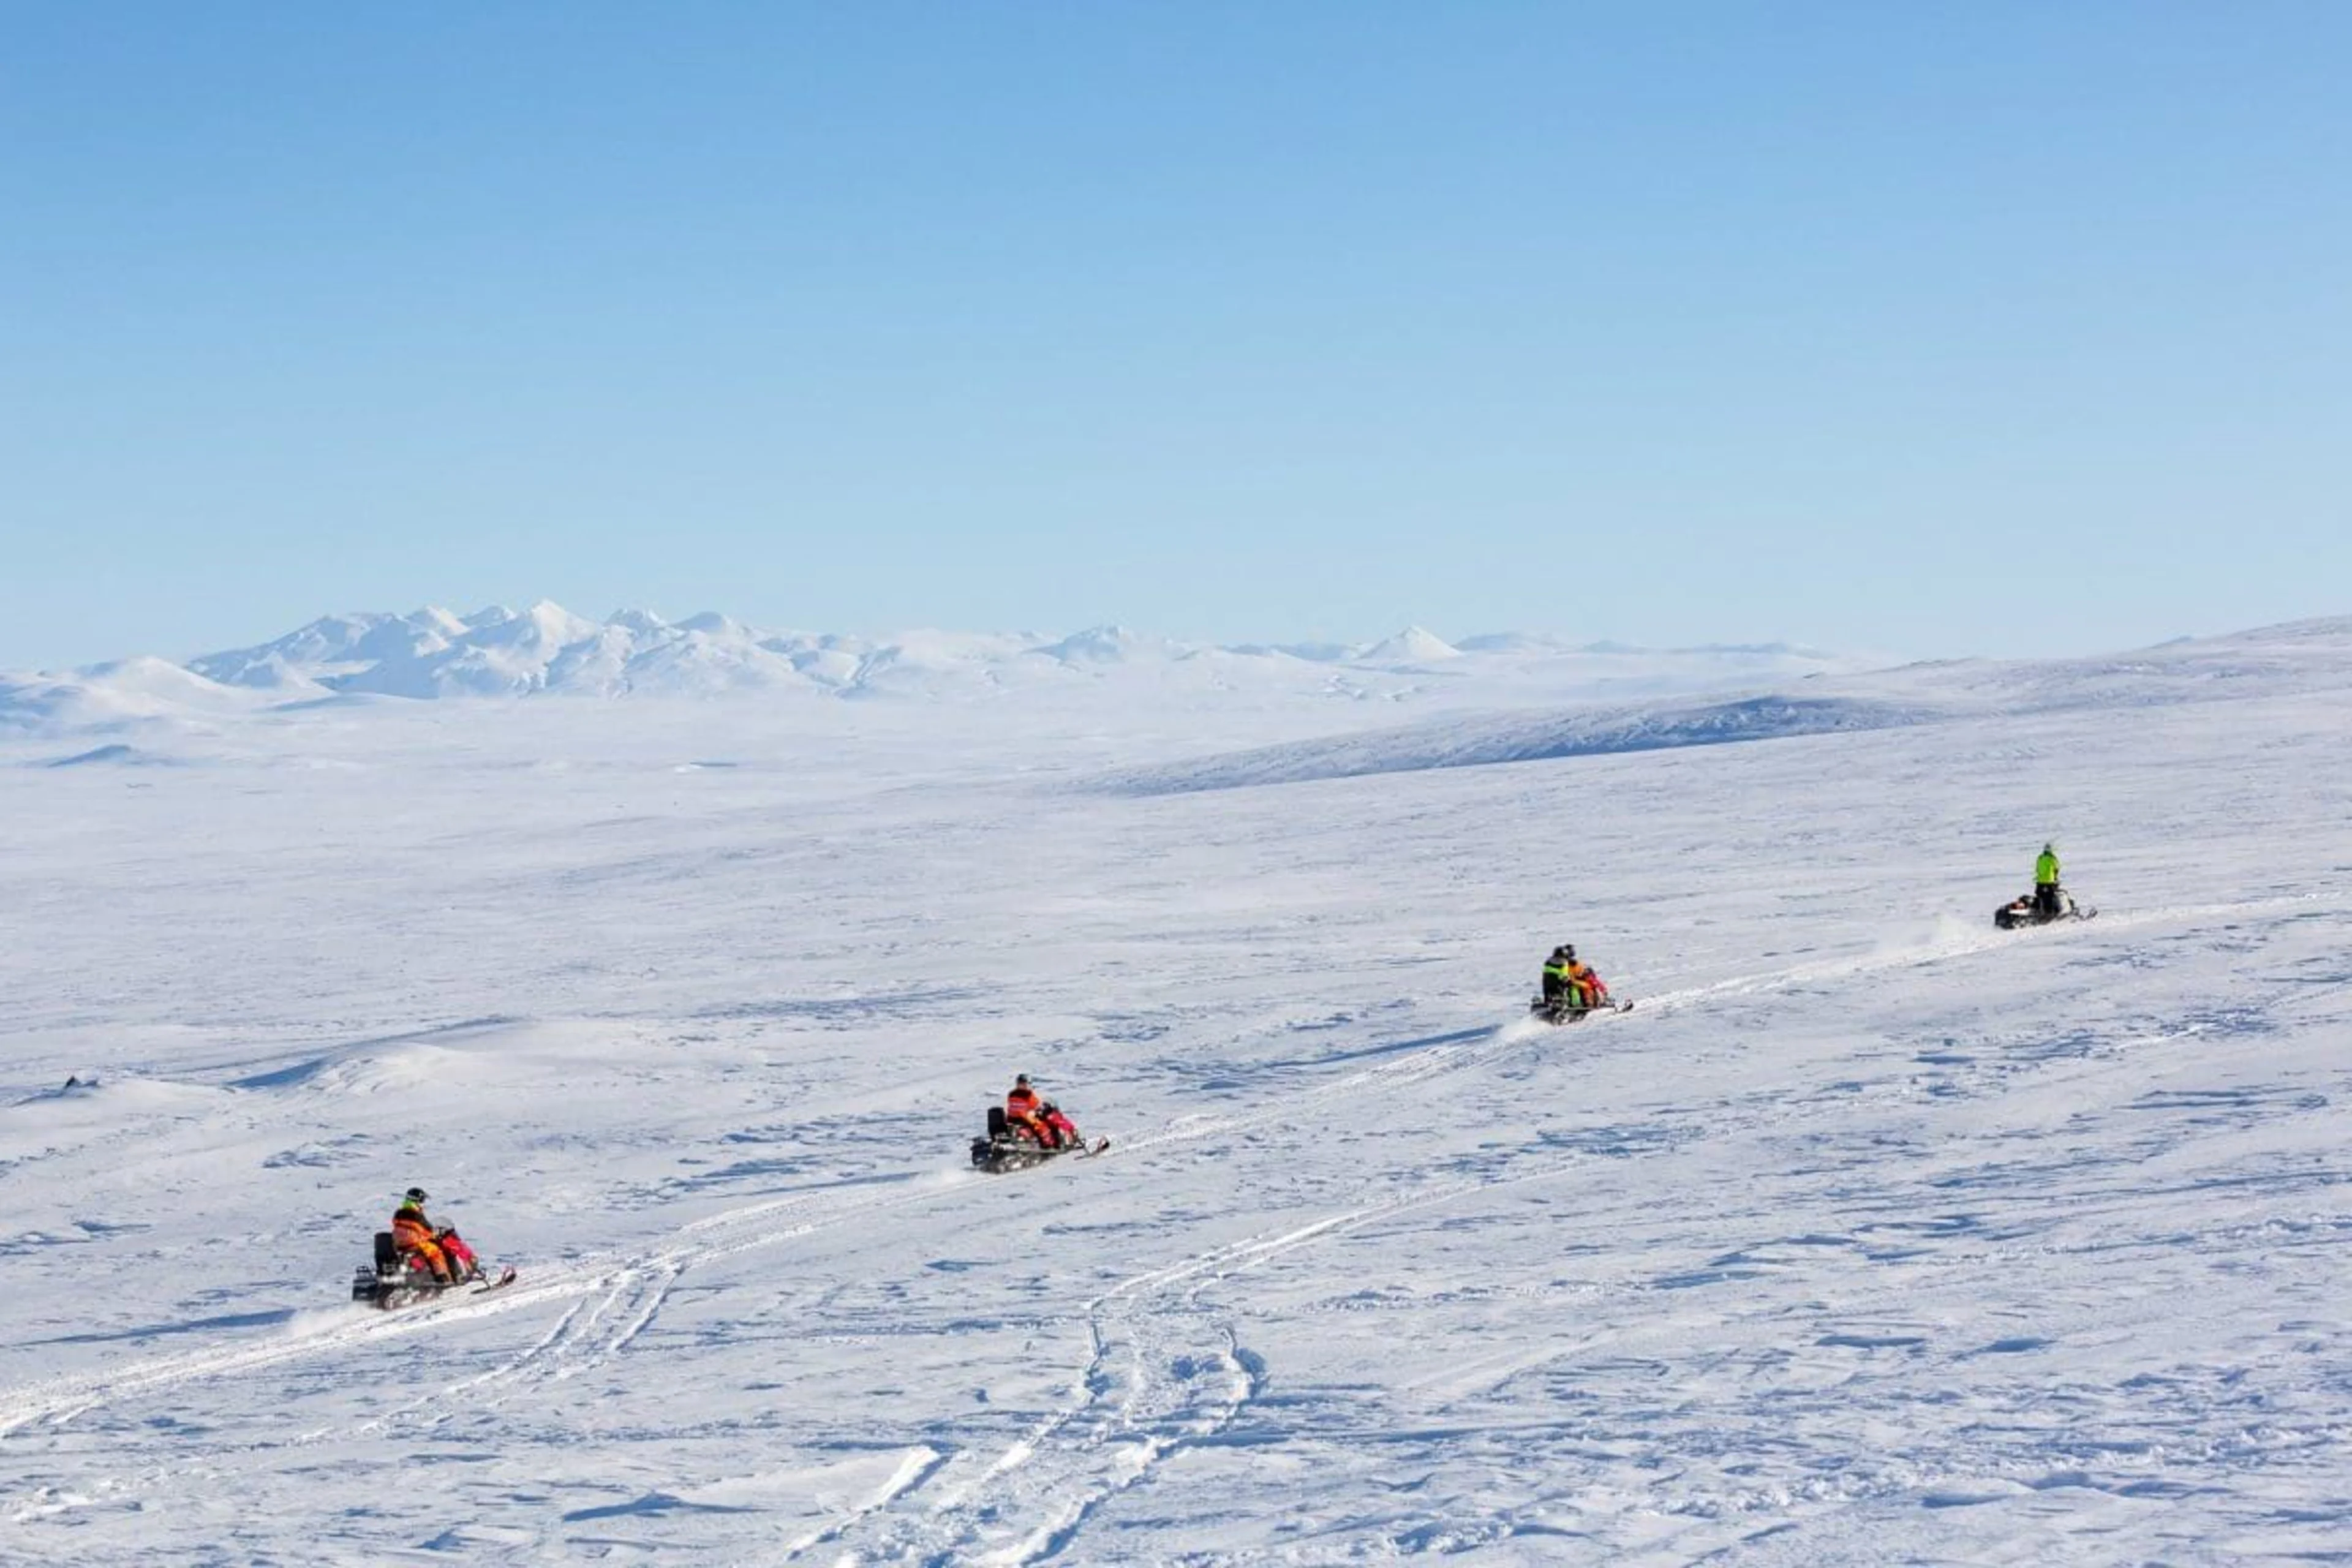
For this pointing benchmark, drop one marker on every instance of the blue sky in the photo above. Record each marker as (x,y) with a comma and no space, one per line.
(1926,328)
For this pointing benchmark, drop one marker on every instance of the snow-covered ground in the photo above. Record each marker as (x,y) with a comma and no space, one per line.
(1871,1236)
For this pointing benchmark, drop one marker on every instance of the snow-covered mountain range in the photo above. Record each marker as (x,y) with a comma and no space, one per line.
(547,649)
(1495,698)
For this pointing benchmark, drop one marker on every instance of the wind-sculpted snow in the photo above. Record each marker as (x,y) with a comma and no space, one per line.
(1463,743)
(118,755)
(1872,1235)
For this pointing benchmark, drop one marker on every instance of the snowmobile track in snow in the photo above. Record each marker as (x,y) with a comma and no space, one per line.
(1164,1373)
(743,1229)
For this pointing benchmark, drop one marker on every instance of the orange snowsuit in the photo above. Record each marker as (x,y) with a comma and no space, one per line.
(412,1232)
(1021,1111)
(1585,988)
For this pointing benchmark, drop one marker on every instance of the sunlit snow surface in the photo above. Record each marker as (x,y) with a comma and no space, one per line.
(1872,1235)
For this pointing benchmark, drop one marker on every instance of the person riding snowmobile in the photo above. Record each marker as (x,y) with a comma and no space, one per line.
(445,1252)
(1569,985)
(1555,973)
(1025,1112)
(2045,883)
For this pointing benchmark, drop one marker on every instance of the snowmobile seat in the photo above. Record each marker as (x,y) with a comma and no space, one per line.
(387,1255)
(996,1125)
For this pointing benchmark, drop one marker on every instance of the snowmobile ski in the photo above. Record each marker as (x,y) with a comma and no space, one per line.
(1553,1014)
(393,1298)
(996,1155)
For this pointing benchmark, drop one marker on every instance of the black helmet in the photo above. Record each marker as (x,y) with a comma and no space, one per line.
(1019,1080)
(415,1194)
(1568,950)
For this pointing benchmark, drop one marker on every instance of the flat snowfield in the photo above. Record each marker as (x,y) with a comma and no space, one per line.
(1872,1235)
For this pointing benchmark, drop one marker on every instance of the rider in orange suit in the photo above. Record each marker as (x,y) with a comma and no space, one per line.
(1025,1112)
(412,1232)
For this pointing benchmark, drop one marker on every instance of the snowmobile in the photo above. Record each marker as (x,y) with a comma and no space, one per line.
(1563,1011)
(1006,1147)
(2024,911)
(395,1279)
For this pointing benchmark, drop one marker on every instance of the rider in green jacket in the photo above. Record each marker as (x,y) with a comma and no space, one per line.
(2045,883)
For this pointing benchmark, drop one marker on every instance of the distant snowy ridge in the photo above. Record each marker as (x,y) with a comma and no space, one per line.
(545,649)
(110,696)
(2298,657)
